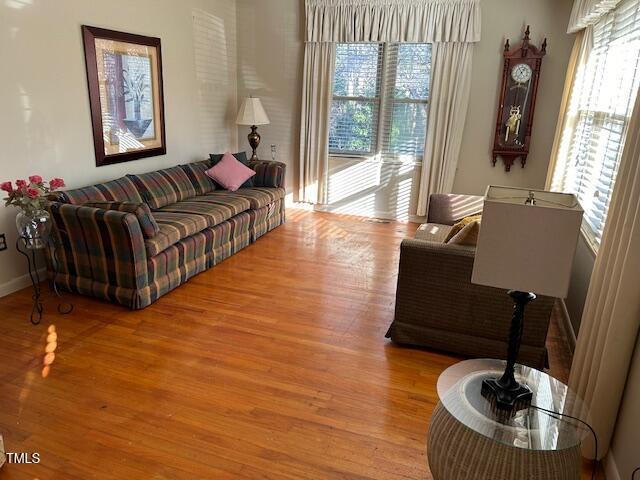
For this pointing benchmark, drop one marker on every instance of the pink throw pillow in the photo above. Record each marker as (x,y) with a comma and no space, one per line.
(229,173)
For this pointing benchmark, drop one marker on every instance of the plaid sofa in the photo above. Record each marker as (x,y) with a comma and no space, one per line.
(438,307)
(133,239)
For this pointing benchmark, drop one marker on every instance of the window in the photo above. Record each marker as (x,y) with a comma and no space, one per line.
(599,109)
(380,99)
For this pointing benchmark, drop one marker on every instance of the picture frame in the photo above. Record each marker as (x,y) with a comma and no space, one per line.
(124,76)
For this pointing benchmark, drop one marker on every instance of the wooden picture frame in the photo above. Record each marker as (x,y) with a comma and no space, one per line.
(124,76)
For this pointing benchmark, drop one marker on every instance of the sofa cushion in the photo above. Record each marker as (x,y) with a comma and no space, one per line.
(261,196)
(164,187)
(141,210)
(432,232)
(200,181)
(119,190)
(216,207)
(172,228)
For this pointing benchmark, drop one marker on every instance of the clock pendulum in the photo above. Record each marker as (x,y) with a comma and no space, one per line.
(521,74)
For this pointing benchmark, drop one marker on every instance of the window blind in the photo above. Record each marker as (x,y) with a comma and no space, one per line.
(380,100)
(600,106)
(357,80)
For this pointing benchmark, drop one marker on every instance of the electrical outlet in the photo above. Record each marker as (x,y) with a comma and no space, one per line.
(3,242)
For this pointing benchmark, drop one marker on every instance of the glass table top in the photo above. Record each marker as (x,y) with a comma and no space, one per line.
(459,389)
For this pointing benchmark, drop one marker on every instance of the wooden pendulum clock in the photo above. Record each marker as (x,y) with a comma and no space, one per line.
(516,105)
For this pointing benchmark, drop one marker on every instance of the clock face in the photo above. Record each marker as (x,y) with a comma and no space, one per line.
(521,73)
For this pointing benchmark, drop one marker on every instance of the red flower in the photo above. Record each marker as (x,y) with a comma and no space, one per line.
(21,183)
(56,183)
(6,186)
(35,179)
(33,192)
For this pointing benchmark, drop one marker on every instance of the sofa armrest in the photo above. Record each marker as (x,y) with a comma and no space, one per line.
(268,173)
(449,208)
(104,246)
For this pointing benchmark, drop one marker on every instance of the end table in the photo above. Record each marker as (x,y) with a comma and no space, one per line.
(469,438)
(29,248)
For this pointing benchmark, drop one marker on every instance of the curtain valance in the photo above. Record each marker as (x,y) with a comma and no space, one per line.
(588,12)
(417,21)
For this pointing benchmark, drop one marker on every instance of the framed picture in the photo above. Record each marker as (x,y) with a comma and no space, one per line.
(124,73)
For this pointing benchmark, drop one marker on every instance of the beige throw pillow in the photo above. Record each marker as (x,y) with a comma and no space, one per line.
(460,225)
(466,232)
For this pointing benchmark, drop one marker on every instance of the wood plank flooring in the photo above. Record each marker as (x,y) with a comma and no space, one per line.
(272,365)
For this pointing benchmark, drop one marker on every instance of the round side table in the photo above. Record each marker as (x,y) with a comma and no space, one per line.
(469,438)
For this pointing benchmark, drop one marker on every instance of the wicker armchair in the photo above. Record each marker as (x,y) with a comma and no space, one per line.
(438,307)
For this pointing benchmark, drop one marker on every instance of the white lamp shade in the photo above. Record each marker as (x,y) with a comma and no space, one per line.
(526,247)
(252,113)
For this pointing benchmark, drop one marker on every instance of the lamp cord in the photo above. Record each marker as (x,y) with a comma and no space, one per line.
(561,417)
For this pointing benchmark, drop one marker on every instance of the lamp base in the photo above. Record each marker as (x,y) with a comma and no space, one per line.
(254,141)
(507,392)
(517,397)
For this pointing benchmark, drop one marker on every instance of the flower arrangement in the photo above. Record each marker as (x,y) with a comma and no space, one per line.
(30,195)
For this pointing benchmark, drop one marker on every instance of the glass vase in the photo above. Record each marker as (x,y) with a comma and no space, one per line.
(34,226)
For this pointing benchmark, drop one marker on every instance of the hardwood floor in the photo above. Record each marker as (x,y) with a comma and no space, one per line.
(272,365)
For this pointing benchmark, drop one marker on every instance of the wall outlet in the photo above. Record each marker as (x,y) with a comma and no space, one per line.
(3,242)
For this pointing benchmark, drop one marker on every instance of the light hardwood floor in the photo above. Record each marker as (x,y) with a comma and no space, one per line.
(272,365)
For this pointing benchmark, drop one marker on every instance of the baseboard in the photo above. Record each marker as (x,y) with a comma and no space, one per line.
(375,214)
(19,283)
(610,468)
(566,325)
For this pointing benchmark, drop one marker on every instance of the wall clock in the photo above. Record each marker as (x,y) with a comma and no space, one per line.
(516,105)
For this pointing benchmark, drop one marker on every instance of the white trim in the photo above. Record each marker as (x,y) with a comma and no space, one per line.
(19,283)
(377,214)
(588,236)
(610,468)
(567,326)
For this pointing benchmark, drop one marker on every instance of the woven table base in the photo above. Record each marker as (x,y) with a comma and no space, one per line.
(456,452)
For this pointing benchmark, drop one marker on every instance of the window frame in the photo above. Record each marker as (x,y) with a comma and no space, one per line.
(384,100)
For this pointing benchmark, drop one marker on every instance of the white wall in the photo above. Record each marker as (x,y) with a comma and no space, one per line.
(270,55)
(45,126)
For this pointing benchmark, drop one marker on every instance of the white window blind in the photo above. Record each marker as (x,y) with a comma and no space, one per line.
(601,103)
(380,100)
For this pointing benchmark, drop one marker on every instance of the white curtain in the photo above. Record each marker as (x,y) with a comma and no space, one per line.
(317,86)
(450,88)
(452,26)
(588,12)
(611,319)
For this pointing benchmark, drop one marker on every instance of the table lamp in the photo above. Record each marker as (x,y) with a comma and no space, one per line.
(526,245)
(252,113)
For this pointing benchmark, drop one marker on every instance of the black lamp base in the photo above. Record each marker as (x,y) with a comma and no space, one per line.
(518,397)
(507,393)
(254,141)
